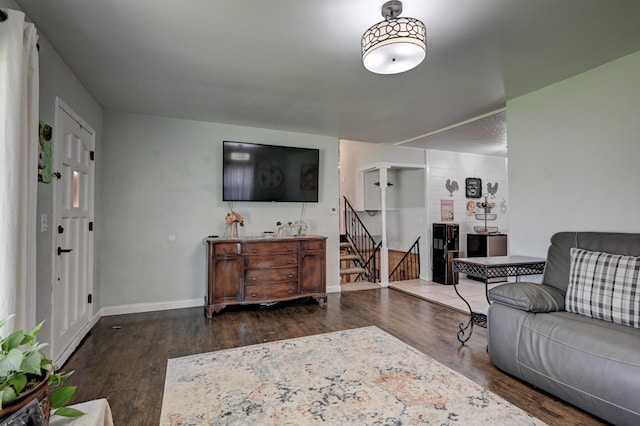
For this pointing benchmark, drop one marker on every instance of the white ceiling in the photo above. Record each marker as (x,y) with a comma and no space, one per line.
(295,65)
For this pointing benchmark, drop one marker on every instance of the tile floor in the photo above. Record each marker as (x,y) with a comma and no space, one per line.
(473,291)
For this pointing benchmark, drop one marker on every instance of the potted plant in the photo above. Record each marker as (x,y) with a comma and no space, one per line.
(26,374)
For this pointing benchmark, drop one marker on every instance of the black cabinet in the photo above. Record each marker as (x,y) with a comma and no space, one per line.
(486,245)
(446,244)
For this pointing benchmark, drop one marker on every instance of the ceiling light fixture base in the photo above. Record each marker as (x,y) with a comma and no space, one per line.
(391,9)
(394,45)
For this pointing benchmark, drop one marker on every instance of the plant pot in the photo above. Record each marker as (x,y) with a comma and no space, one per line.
(39,392)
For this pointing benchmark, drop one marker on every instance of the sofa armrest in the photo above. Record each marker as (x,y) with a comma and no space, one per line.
(530,297)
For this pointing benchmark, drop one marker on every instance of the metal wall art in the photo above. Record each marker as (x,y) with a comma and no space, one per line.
(452,186)
(492,189)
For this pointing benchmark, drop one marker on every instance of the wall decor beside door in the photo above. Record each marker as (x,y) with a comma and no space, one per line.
(44,152)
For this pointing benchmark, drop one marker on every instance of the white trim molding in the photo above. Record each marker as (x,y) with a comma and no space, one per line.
(150,307)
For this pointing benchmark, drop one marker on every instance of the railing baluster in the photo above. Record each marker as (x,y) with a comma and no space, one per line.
(361,239)
(409,266)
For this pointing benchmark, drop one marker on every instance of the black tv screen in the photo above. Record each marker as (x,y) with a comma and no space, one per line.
(257,172)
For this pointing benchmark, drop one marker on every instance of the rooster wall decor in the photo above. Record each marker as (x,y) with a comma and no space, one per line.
(492,189)
(452,186)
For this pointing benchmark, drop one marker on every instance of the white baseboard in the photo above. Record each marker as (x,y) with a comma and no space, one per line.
(163,306)
(334,288)
(149,307)
(73,345)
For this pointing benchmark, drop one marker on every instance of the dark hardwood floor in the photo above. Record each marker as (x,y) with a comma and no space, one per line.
(124,357)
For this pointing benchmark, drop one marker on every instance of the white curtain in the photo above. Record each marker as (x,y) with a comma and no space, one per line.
(19,87)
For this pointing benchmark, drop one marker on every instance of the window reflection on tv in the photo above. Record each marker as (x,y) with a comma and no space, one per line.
(257,172)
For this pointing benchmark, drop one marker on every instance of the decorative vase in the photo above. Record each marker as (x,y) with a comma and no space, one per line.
(299,228)
(234,230)
(284,230)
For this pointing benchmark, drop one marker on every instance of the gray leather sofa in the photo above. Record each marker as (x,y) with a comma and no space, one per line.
(591,363)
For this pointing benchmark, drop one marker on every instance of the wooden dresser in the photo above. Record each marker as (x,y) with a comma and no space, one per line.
(263,270)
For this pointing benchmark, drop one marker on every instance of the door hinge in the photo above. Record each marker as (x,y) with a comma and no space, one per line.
(90,226)
(92,155)
(89,298)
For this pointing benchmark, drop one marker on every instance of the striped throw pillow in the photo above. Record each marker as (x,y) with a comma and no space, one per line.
(604,286)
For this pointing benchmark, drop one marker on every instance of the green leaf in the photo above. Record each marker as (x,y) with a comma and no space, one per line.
(57,379)
(4,320)
(13,340)
(11,362)
(8,394)
(31,363)
(62,396)
(46,364)
(67,412)
(36,330)
(18,382)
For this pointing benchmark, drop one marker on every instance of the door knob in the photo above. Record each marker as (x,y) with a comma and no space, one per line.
(61,250)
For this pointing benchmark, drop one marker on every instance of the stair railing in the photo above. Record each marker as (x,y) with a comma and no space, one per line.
(362,241)
(409,266)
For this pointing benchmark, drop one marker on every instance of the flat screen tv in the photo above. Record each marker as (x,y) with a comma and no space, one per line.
(257,172)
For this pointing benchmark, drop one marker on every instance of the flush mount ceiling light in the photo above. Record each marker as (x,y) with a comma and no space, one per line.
(394,45)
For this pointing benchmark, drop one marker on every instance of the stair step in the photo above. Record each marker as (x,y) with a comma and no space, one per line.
(349,256)
(349,271)
(345,244)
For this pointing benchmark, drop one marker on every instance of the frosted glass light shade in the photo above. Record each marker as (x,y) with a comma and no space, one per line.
(394,46)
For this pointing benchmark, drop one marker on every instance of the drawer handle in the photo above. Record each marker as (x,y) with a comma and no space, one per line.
(290,291)
(255,262)
(226,250)
(289,248)
(254,294)
(290,276)
(290,261)
(255,250)
(253,279)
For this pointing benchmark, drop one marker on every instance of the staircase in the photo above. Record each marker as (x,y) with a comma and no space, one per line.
(360,254)
(358,249)
(350,263)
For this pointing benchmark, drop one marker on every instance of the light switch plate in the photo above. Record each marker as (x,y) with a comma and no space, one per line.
(44,223)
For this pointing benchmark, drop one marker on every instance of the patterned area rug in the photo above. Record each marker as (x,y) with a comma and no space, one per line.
(361,376)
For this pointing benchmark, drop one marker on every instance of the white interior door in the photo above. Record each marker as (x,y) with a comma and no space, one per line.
(73,233)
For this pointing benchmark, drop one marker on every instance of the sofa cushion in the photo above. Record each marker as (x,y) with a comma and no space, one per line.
(604,286)
(530,297)
(556,271)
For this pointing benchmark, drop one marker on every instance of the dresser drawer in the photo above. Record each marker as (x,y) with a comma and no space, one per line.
(271,247)
(257,261)
(260,292)
(312,245)
(227,248)
(259,276)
